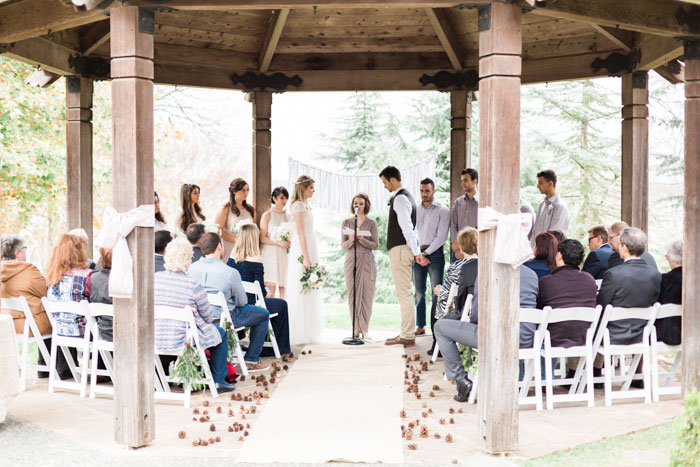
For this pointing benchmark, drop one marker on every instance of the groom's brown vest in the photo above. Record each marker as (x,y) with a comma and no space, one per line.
(394,235)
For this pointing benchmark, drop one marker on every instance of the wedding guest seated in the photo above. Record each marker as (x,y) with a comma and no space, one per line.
(83,236)
(633,284)
(568,287)
(558,234)
(596,263)
(218,277)
(467,239)
(668,330)
(614,237)
(68,279)
(194,234)
(99,292)
(450,332)
(162,238)
(545,251)
(23,279)
(173,288)
(245,257)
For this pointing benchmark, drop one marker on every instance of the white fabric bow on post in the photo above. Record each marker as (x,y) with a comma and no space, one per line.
(115,228)
(512,246)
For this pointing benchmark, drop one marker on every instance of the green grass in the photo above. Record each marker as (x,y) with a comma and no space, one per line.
(614,451)
(384,316)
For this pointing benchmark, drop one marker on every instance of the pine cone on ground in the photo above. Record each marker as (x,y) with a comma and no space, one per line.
(424,431)
(195,443)
(452,421)
(448,438)
(409,435)
(452,410)
(437,436)
(205,403)
(432,394)
(212,427)
(182,435)
(436,387)
(412,447)
(402,414)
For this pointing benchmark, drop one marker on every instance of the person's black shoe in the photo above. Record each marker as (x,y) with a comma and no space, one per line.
(464,387)
(637,383)
(430,351)
(225,387)
(66,374)
(42,374)
(596,373)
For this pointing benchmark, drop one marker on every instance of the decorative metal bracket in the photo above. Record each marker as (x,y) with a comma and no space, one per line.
(4,47)
(260,81)
(691,18)
(639,79)
(691,48)
(72,84)
(147,21)
(617,63)
(468,79)
(93,67)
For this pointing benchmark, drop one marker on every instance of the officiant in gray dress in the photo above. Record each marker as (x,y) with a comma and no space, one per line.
(366,266)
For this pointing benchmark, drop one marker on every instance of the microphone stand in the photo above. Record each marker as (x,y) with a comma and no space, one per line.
(354,340)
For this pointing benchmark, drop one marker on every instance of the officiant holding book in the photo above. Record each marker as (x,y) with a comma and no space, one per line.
(367,241)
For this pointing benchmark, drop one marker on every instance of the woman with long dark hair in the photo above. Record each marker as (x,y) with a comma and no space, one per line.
(191,211)
(274,252)
(236,210)
(160,219)
(545,255)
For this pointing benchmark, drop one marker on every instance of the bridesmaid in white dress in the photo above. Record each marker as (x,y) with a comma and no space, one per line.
(274,252)
(237,209)
(306,319)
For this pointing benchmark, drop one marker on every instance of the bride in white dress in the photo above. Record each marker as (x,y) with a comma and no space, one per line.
(306,319)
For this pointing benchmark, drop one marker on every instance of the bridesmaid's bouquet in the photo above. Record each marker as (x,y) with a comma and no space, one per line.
(239,224)
(313,277)
(282,233)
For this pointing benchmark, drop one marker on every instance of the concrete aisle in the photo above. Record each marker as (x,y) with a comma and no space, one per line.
(341,403)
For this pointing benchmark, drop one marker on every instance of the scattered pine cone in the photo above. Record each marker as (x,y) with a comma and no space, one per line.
(205,403)
(442,421)
(245,398)
(230,429)
(247,425)
(412,447)
(303,352)
(218,439)
(203,442)
(206,412)
(430,410)
(402,414)
(273,380)
(206,418)
(437,436)
(432,394)
(452,410)
(404,356)
(409,435)
(416,379)
(242,378)
(411,425)
(418,396)
(239,397)
(285,367)
(212,440)
(266,394)
(424,404)
(195,411)
(182,435)
(432,362)
(448,438)
(424,432)
(195,443)
(212,427)
(230,413)
(243,416)
(202,419)
(219,409)
(253,409)
(245,433)
(285,359)
(460,410)
(436,387)
(452,421)
(425,414)
(240,438)
(232,397)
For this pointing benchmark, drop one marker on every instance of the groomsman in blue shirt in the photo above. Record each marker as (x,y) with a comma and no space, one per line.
(597,260)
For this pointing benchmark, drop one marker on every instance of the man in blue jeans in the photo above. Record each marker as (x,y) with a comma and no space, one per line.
(216,277)
(432,225)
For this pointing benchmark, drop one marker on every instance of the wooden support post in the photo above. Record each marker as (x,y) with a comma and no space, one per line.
(460,140)
(132,172)
(500,44)
(635,149)
(691,232)
(262,143)
(79,154)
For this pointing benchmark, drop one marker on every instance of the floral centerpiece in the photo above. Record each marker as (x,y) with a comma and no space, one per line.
(313,277)
(241,223)
(282,233)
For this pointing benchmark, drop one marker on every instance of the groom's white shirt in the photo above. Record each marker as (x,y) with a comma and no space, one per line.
(402,208)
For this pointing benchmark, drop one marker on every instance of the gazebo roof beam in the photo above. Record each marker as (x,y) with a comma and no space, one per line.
(277,20)
(657,51)
(444,31)
(673,72)
(648,16)
(95,35)
(42,52)
(32,18)
(620,37)
(279,4)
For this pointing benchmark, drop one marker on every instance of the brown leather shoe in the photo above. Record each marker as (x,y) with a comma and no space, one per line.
(420,331)
(392,340)
(257,366)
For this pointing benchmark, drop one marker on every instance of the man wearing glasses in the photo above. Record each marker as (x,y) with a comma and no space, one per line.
(597,260)
(615,260)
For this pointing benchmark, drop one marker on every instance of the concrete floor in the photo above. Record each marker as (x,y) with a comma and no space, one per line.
(62,428)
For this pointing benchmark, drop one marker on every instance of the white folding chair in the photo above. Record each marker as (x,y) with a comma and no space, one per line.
(81,344)
(100,347)
(667,310)
(602,345)
(584,352)
(450,298)
(192,336)
(219,300)
(255,289)
(531,357)
(20,304)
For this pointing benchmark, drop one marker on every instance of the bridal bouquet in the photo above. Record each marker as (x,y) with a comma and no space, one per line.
(313,277)
(282,233)
(239,224)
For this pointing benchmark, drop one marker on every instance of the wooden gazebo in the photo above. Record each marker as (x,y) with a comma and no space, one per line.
(267,46)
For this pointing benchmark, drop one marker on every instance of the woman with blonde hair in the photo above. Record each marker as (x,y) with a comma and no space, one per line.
(237,209)
(306,313)
(246,259)
(191,211)
(366,275)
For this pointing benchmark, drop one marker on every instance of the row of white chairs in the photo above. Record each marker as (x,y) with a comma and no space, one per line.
(92,346)
(596,343)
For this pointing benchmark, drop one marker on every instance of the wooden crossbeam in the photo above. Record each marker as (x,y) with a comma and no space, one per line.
(673,72)
(657,51)
(277,20)
(33,18)
(444,32)
(42,52)
(648,16)
(279,4)
(619,37)
(95,36)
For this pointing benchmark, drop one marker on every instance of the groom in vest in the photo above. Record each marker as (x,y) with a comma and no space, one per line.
(402,243)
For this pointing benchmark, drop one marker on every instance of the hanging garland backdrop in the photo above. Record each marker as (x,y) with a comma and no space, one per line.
(335,191)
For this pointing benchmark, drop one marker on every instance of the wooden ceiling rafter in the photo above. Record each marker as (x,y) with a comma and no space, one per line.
(277,22)
(445,34)
(657,51)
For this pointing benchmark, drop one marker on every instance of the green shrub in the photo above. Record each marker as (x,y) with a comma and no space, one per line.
(687,450)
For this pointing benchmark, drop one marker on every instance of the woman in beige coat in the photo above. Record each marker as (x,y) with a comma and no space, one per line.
(366,266)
